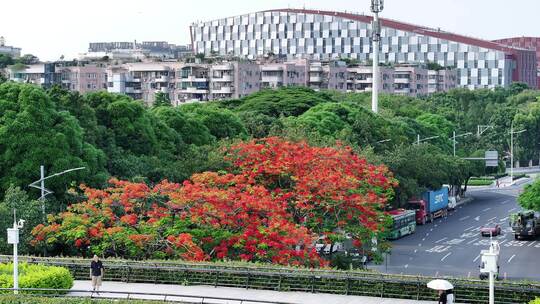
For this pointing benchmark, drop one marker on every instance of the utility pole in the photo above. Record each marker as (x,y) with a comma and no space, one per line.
(376,7)
(512,132)
(418,140)
(456,136)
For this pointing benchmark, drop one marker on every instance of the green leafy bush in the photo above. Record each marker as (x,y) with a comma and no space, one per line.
(5,299)
(36,276)
(535,301)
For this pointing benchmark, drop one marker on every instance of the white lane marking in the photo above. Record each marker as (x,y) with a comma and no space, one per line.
(504,219)
(444,257)
(491,219)
(502,203)
(502,242)
(531,244)
(440,240)
(406,265)
(470,242)
(487,209)
(464,218)
(435,225)
(511,209)
(431,229)
(427,234)
(476,258)
(419,245)
(469,228)
(510,259)
(423,239)
(416,250)
(477,218)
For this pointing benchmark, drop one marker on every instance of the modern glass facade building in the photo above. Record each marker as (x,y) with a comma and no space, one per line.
(325,35)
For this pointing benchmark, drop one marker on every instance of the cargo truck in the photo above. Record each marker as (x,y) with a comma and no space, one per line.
(525,224)
(433,204)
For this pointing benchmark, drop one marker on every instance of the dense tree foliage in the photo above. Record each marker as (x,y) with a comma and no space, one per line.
(530,198)
(275,200)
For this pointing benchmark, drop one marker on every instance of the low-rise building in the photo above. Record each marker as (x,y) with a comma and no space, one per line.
(441,80)
(82,78)
(43,74)
(12,51)
(410,80)
(234,79)
(328,76)
(133,51)
(360,79)
(283,74)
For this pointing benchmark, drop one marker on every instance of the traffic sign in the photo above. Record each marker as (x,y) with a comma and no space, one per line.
(492,158)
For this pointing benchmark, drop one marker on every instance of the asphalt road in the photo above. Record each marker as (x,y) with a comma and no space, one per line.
(451,246)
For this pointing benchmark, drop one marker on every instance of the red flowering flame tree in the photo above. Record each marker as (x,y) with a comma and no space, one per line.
(276,200)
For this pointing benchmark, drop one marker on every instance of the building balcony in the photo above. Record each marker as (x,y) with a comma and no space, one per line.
(194,90)
(223,90)
(223,78)
(315,79)
(162,79)
(223,67)
(272,79)
(402,91)
(271,68)
(402,80)
(316,69)
(193,79)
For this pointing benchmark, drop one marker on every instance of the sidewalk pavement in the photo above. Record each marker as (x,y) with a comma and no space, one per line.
(200,291)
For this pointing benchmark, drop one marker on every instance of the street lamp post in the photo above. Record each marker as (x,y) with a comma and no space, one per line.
(376,7)
(457,136)
(418,140)
(13,238)
(512,132)
(45,191)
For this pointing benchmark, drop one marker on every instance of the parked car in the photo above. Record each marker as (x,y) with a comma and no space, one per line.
(491,229)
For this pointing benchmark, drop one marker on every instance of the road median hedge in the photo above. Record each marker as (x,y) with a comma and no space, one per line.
(11,299)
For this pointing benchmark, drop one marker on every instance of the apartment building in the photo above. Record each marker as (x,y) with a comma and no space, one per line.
(132,51)
(82,78)
(360,79)
(410,80)
(184,82)
(9,50)
(234,80)
(283,74)
(441,80)
(328,75)
(330,35)
(142,80)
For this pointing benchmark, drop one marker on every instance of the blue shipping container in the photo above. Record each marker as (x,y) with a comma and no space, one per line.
(436,200)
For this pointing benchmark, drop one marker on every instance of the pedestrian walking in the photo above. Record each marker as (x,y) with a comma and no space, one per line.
(497,182)
(96,273)
(442,297)
(450,296)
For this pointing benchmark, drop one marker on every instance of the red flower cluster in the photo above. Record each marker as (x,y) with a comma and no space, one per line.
(277,200)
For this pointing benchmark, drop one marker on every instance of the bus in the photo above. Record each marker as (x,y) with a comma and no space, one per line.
(403,223)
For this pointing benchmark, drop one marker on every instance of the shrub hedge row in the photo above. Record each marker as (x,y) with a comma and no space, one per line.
(36,276)
(10,299)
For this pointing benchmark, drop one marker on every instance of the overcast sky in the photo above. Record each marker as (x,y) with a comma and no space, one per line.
(51,28)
